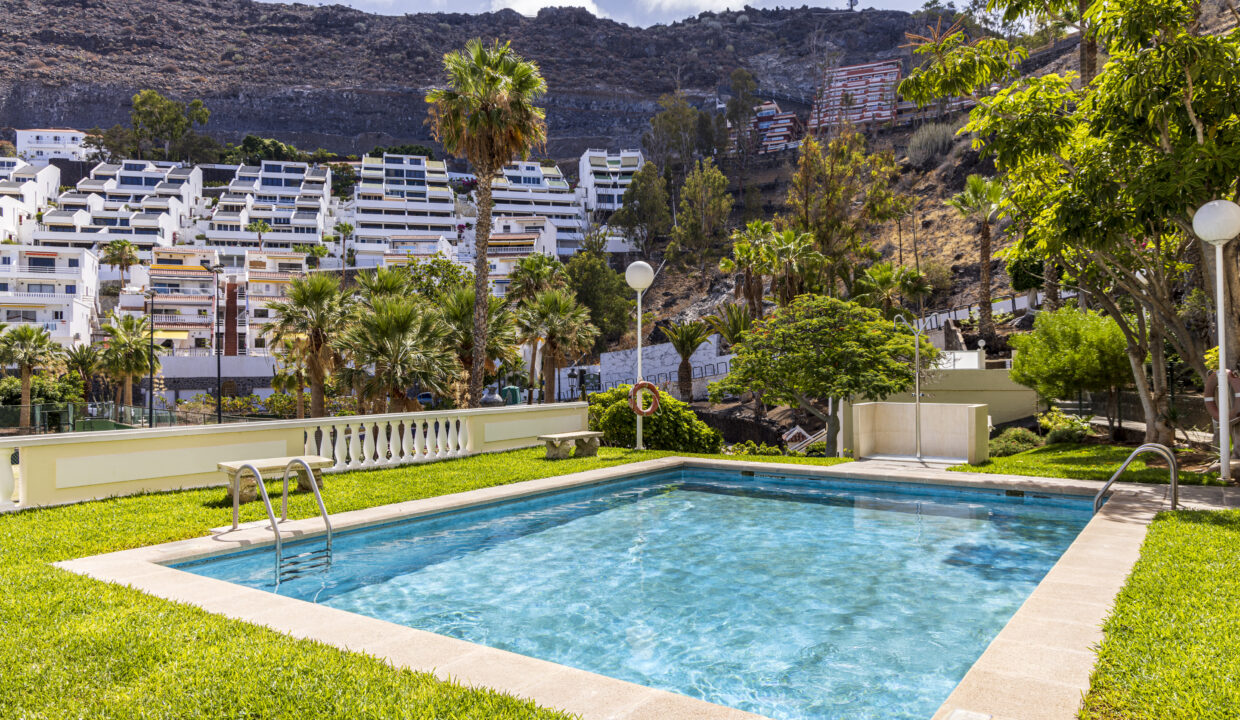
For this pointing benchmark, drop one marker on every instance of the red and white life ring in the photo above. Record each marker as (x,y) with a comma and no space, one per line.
(1211,394)
(635,401)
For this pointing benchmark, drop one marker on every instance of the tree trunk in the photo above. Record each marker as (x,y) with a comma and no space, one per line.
(317,404)
(1231,254)
(25,411)
(684,379)
(129,381)
(833,430)
(482,286)
(1088,47)
(301,402)
(986,323)
(1158,428)
(534,369)
(549,370)
(1050,285)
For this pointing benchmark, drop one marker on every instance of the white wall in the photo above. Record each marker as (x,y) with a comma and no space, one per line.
(660,363)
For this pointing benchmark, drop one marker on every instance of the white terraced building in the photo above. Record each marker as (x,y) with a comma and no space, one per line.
(400,196)
(529,189)
(408,250)
(24,191)
(605,176)
(183,297)
(41,145)
(146,203)
(56,289)
(514,238)
(293,198)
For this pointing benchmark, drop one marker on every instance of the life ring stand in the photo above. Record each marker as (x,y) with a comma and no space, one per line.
(635,402)
(1211,394)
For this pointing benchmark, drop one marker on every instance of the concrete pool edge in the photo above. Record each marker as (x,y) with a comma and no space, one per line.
(1042,650)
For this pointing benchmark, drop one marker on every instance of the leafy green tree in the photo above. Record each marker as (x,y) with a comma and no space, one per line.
(534,274)
(159,120)
(705,204)
(111,145)
(751,262)
(821,349)
(122,255)
(31,349)
(604,292)
(645,214)
(487,115)
(254,149)
(7,149)
(672,140)
(407,149)
(740,109)
(980,200)
(404,343)
(258,227)
(686,338)
(674,427)
(315,312)
(438,274)
(344,178)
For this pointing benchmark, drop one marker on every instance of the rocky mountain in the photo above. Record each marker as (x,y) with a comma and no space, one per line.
(345,80)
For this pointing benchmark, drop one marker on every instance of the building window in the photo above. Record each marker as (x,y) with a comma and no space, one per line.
(4,287)
(71,289)
(19,315)
(58,314)
(73,262)
(260,312)
(260,342)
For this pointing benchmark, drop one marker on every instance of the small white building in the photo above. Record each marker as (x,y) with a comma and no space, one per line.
(24,191)
(40,145)
(532,190)
(400,196)
(604,176)
(56,289)
(514,238)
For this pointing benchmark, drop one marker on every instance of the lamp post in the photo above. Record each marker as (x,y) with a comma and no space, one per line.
(639,276)
(1216,223)
(900,319)
(150,386)
(217,270)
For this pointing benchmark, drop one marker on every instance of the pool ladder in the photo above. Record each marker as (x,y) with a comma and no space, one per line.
(1167,455)
(294,566)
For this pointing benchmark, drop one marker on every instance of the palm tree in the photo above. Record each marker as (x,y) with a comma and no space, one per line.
(567,332)
(406,344)
(879,286)
(290,374)
(128,355)
(258,227)
(686,338)
(30,348)
(534,274)
(751,261)
(531,330)
(120,254)
(792,261)
(315,312)
(382,283)
(487,114)
(915,286)
(87,362)
(457,309)
(345,231)
(731,320)
(980,201)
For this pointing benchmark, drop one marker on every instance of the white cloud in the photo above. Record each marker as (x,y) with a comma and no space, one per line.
(692,7)
(531,7)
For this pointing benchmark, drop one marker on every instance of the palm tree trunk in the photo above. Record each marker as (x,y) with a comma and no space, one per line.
(317,404)
(482,286)
(1089,46)
(549,369)
(534,367)
(129,381)
(301,401)
(986,323)
(684,379)
(25,411)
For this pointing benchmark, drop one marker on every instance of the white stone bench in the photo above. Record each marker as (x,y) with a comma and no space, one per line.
(272,468)
(558,444)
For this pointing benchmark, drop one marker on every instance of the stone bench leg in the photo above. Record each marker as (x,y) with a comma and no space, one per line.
(587,447)
(303,482)
(557,450)
(249,488)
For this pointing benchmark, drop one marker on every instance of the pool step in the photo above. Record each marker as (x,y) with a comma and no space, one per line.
(305,563)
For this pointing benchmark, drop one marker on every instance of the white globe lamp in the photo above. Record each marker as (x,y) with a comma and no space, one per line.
(1216,223)
(639,276)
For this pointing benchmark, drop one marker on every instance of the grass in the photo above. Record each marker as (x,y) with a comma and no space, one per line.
(73,647)
(1170,643)
(1083,461)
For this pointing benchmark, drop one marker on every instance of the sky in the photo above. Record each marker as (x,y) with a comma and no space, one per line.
(632,12)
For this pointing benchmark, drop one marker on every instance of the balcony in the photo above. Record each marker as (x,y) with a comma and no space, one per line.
(196,320)
(43,296)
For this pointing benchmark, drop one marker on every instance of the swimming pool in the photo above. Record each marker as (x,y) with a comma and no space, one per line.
(784,595)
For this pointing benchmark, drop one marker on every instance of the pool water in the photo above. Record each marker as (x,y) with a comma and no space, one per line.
(792,597)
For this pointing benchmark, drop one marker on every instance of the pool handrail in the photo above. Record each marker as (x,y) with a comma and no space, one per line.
(1166,453)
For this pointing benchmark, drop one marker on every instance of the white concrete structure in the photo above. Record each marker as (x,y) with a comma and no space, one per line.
(412,249)
(661,366)
(41,145)
(949,432)
(293,198)
(530,189)
(605,176)
(400,196)
(24,191)
(184,298)
(266,280)
(513,238)
(56,289)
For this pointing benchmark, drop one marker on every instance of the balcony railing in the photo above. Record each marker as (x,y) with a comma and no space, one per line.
(202,320)
(40,270)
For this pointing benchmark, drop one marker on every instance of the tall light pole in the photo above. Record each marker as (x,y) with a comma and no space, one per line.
(900,319)
(216,271)
(150,386)
(639,276)
(1216,223)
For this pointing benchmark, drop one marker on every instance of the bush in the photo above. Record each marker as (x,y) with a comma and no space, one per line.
(816,449)
(930,144)
(1065,435)
(749,447)
(1061,427)
(674,427)
(1014,440)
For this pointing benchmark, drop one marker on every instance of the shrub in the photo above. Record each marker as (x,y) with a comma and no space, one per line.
(816,449)
(930,144)
(749,447)
(674,427)
(1014,440)
(1062,427)
(1065,435)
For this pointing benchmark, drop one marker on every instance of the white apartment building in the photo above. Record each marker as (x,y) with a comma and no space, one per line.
(528,189)
(148,204)
(400,196)
(24,191)
(292,198)
(53,289)
(604,176)
(513,238)
(41,145)
(266,280)
(182,308)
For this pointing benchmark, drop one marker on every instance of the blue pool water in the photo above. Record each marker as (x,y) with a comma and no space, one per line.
(792,597)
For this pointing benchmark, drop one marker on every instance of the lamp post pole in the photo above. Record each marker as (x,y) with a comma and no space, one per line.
(1216,223)
(639,276)
(150,385)
(916,379)
(640,446)
(216,270)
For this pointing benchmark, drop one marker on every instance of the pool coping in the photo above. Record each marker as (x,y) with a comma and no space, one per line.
(1036,668)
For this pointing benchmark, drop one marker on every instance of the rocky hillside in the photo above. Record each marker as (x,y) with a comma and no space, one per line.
(344,79)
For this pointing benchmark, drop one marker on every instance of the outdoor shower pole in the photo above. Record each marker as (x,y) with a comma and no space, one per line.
(916,379)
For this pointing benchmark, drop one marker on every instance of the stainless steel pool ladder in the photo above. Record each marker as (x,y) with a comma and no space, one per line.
(301,563)
(1167,455)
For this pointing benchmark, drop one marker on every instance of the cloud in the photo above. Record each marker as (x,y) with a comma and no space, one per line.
(531,7)
(691,7)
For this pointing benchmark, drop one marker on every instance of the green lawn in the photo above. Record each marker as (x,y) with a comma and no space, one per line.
(1171,643)
(1083,462)
(72,647)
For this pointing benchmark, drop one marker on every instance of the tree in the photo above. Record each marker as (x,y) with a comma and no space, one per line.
(821,349)
(686,338)
(487,114)
(315,312)
(1070,351)
(645,215)
(406,344)
(159,120)
(740,115)
(885,286)
(457,309)
(730,321)
(87,362)
(31,349)
(254,149)
(128,355)
(980,201)
(672,138)
(534,274)
(290,373)
(407,149)
(258,227)
(344,179)
(751,262)
(704,208)
(112,145)
(604,292)
(380,283)
(7,149)
(314,253)
(437,274)
(344,231)
(567,332)
(793,264)
(122,255)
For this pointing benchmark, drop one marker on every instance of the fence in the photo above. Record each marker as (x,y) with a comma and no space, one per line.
(48,418)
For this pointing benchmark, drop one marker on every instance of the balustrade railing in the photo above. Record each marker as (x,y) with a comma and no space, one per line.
(388,440)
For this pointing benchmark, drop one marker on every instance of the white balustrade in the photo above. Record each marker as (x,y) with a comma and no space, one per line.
(390,440)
